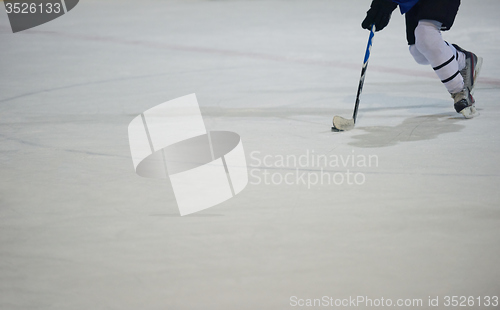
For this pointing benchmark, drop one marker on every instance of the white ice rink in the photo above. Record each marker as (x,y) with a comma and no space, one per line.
(80,230)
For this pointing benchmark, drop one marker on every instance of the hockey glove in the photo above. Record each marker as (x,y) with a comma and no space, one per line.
(379,14)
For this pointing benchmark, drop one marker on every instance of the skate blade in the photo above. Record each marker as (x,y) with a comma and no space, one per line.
(342,124)
(469,112)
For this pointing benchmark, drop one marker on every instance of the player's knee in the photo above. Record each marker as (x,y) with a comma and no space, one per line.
(427,33)
(419,57)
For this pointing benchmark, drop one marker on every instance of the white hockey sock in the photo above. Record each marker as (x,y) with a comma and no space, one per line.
(431,45)
(421,60)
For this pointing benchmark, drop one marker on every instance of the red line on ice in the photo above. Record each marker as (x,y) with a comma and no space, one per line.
(252,55)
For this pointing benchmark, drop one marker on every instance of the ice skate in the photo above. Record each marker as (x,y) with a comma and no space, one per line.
(473,65)
(464,103)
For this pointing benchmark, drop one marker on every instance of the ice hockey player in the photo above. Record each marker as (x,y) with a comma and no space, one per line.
(456,68)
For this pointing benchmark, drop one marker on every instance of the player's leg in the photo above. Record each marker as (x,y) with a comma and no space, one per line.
(430,44)
(424,24)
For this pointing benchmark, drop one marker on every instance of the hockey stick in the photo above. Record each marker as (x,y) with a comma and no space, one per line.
(340,123)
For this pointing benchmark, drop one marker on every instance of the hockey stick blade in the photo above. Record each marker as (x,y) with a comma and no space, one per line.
(342,124)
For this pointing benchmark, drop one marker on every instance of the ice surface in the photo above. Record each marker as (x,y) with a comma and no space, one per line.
(80,230)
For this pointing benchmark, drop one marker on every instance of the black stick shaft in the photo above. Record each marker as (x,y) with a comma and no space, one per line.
(363,72)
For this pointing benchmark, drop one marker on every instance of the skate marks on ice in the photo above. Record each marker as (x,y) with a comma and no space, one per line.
(423,127)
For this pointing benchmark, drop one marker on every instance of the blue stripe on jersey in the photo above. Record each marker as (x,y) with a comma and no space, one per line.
(405,5)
